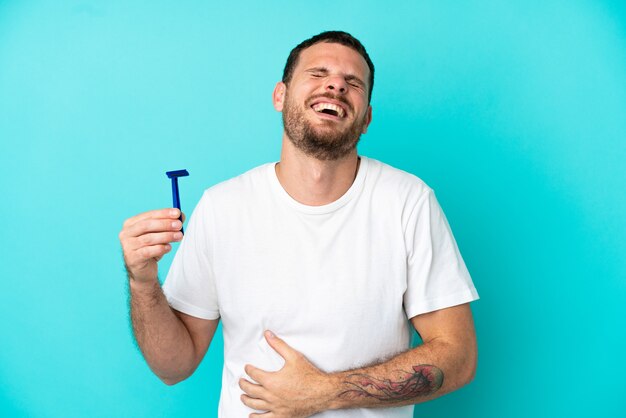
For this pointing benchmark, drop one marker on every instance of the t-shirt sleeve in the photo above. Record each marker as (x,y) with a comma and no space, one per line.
(190,284)
(437,277)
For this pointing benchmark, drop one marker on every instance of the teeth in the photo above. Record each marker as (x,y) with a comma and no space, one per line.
(329,106)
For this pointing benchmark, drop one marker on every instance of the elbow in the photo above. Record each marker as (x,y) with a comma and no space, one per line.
(464,363)
(175,374)
(169,381)
(470,375)
(172,380)
(471,364)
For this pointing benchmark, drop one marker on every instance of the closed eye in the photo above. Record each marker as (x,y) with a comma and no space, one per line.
(351,79)
(317,72)
(355,82)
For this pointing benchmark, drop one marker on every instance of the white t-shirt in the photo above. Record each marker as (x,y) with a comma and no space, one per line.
(337,282)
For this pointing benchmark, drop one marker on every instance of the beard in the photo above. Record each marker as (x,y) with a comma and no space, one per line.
(325,142)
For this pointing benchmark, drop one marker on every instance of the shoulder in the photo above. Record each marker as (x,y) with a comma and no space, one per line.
(394,182)
(238,192)
(244,185)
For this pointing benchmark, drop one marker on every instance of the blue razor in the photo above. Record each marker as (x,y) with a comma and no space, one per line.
(174,175)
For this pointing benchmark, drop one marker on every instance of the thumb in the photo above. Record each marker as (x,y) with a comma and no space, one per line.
(280,346)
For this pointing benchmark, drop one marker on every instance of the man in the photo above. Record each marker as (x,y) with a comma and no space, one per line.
(317,265)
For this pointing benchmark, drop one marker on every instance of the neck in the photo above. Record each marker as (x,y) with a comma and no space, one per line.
(311,181)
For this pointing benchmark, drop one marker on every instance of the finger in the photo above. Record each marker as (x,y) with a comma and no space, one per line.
(258,404)
(256,374)
(148,247)
(281,347)
(156,238)
(183,216)
(153,251)
(268,414)
(153,225)
(252,389)
(170,213)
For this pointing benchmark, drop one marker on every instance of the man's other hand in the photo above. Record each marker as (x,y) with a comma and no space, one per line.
(297,390)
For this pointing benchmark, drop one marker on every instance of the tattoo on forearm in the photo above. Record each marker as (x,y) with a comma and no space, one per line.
(424,380)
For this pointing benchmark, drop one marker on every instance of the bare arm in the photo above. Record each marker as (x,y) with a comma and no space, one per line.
(445,362)
(172,342)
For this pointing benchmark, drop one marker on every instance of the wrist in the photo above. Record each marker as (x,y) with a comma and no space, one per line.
(333,390)
(143,286)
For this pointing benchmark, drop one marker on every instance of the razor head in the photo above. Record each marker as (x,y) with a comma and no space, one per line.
(177,173)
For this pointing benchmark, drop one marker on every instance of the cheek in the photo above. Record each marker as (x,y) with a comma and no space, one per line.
(361,105)
(309,87)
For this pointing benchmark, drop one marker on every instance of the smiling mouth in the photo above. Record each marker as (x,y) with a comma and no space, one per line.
(329,109)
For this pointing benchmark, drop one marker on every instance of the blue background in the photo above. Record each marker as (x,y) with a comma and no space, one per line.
(513,111)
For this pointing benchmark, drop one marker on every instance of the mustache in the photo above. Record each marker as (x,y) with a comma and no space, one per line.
(332,97)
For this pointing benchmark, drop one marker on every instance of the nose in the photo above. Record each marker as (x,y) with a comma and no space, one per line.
(336,84)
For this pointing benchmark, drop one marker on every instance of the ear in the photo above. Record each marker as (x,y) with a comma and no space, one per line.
(278,97)
(368,119)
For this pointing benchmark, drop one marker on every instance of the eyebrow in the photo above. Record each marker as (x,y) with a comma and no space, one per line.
(348,77)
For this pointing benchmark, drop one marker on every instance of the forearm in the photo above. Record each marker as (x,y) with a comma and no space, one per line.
(421,374)
(162,337)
